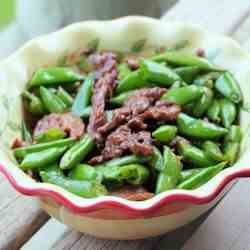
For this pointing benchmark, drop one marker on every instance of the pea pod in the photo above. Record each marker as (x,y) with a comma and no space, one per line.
(87,189)
(201,177)
(228,112)
(213,112)
(207,80)
(157,73)
(194,155)
(183,95)
(213,151)
(54,75)
(156,162)
(52,134)
(65,97)
(188,73)
(123,70)
(198,128)
(35,104)
(203,103)
(77,152)
(87,111)
(234,134)
(176,85)
(180,58)
(165,133)
(120,99)
(188,173)
(42,158)
(227,85)
(23,151)
(52,102)
(83,96)
(171,172)
(84,172)
(26,135)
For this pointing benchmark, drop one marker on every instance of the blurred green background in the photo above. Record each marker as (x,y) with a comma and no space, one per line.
(7,12)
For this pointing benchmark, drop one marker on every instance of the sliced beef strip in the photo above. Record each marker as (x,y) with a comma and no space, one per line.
(66,122)
(123,140)
(139,102)
(105,65)
(134,193)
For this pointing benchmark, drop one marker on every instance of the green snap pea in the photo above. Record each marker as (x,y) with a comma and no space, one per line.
(194,155)
(120,99)
(54,75)
(187,173)
(84,172)
(228,112)
(171,172)
(213,112)
(26,135)
(227,85)
(234,134)
(176,85)
(65,97)
(156,162)
(201,177)
(83,96)
(51,101)
(35,104)
(203,102)
(77,152)
(87,111)
(188,73)
(207,80)
(198,128)
(180,58)
(183,95)
(157,73)
(213,151)
(123,70)
(42,158)
(52,134)
(165,133)
(23,151)
(83,188)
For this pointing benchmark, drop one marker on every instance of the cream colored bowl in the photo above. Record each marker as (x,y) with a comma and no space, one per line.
(113,217)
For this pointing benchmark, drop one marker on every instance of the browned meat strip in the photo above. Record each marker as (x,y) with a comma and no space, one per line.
(18,143)
(134,193)
(123,140)
(106,74)
(133,63)
(67,122)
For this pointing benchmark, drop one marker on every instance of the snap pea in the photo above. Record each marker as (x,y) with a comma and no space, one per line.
(213,112)
(77,152)
(42,158)
(171,172)
(26,135)
(123,70)
(180,58)
(203,102)
(87,189)
(176,85)
(23,151)
(83,97)
(156,162)
(86,112)
(120,99)
(228,112)
(227,85)
(54,75)
(157,73)
(207,80)
(183,95)
(198,128)
(201,177)
(187,173)
(51,102)
(65,97)
(84,172)
(187,73)
(213,151)
(194,155)
(52,134)
(234,134)
(165,133)
(35,104)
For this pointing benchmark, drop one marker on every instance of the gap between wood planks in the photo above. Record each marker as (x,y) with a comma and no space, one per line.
(216,19)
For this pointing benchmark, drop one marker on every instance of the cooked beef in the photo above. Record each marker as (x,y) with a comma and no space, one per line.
(123,140)
(18,143)
(66,122)
(105,65)
(133,63)
(134,193)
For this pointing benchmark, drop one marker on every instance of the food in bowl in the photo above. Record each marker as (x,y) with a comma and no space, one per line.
(131,125)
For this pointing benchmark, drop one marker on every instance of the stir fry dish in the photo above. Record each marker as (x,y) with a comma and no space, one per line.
(131,125)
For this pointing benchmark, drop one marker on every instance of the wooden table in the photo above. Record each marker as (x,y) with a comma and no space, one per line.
(226,227)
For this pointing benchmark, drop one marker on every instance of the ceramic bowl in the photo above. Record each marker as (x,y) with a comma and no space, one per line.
(113,217)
